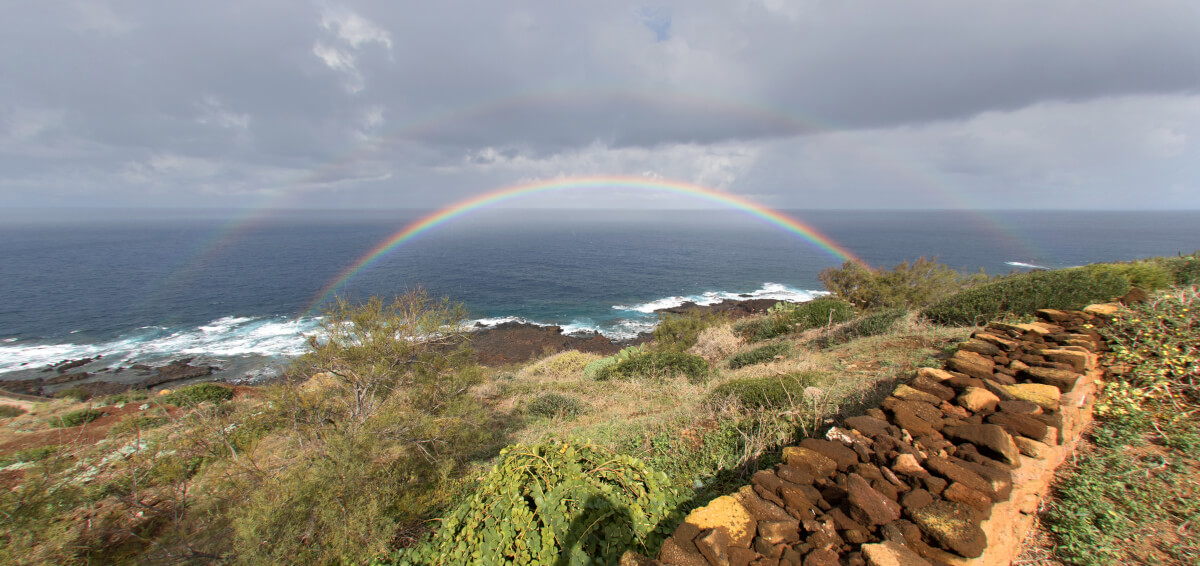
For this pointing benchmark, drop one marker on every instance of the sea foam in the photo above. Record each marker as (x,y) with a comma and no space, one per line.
(768,291)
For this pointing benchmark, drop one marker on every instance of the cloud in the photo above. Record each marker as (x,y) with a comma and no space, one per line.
(804,103)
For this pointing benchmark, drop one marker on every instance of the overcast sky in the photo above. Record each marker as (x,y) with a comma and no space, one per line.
(794,104)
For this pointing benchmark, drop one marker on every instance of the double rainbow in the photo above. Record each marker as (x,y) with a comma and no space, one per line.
(601,183)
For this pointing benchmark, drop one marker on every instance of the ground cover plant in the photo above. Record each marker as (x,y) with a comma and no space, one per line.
(1022,294)
(1134,496)
(403,432)
(906,285)
(759,355)
(789,318)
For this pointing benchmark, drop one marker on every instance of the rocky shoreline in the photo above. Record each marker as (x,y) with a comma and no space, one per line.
(502,344)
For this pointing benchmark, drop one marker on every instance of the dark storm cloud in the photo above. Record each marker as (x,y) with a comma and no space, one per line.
(223,102)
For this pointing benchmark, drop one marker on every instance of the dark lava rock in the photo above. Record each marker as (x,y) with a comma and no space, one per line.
(953,526)
(514,342)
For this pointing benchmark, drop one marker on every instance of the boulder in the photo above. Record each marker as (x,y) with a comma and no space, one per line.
(982,347)
(891,553)
(1023,425)
(976,399)
(761,509)
(835,451)
(1064,380)
(909,394)
(779,532)
(1045,396)
(726,514)
(1078,360)
(868,505)
(1033,448)
(934,374)
(953,527)
(956,472)
(1000,342)
(933,387)
(868,426)
(1103,309)
(991,437)
(714,546)
(811,461)
(972,364)
(908,465)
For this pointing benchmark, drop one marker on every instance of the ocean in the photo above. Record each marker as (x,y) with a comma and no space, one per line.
(159,285)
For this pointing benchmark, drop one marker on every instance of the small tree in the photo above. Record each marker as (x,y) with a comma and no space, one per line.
(906,285)
(375,350)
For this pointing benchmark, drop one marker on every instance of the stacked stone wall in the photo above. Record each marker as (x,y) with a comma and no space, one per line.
(949,470)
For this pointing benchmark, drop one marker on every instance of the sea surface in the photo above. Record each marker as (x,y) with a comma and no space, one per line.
(239,290)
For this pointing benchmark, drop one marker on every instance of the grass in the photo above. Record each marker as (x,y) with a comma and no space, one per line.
(78,394)
(760,355)
(225,473)
(199,393)
(10,411)
(76,418)
(1134,496)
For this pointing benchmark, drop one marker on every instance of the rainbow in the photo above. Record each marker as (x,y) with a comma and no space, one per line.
(466,206)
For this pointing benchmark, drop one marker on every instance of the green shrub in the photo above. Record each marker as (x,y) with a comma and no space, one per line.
(9,411)
(1023,294)
(759,355)
(35,454)
(906,285)
(657,364)
(784,318)
(76,418)
(1147,275)
(555,504)
(551,405)
(598,369)
(193,395)
(137,423)
(594,369)
(679,332)
(77,393)
(126,397)
(767,392)
(873,324)
(1185,270)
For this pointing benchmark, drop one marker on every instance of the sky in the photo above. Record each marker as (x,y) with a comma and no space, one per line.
(806,104)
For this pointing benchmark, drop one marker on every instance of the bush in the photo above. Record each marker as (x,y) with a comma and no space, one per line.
(715,343)
(76,418)
(872,324)
(35,454)
(77,393)
(784,318)
(678,332)
(552,405)
(126,397)
(9,411)
(597,370)
(1184,270)
(759,355)
(1023,294)
(375,446)
(906,285)
(193,395)
(562,365)
(767,392)
(1147,275)
(658,364)
(555,504)
(137,423)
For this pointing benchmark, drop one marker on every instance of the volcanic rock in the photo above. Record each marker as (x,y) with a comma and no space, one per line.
(952,525)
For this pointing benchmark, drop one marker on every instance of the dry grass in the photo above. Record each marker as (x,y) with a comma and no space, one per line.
(717,343)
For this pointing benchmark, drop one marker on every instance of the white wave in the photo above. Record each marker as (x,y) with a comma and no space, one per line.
(226,337)
(9,340)
(497,321)
(1025,265)
(768,291)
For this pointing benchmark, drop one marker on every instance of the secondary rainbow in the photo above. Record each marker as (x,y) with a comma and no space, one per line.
(463,207)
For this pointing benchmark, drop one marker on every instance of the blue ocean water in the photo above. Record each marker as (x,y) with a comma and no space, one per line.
(154,286)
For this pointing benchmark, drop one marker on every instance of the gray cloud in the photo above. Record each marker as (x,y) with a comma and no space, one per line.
(807,103)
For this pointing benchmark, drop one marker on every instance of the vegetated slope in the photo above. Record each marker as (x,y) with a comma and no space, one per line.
(378,437)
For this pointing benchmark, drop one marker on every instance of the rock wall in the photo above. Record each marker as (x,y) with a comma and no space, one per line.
(949,470)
